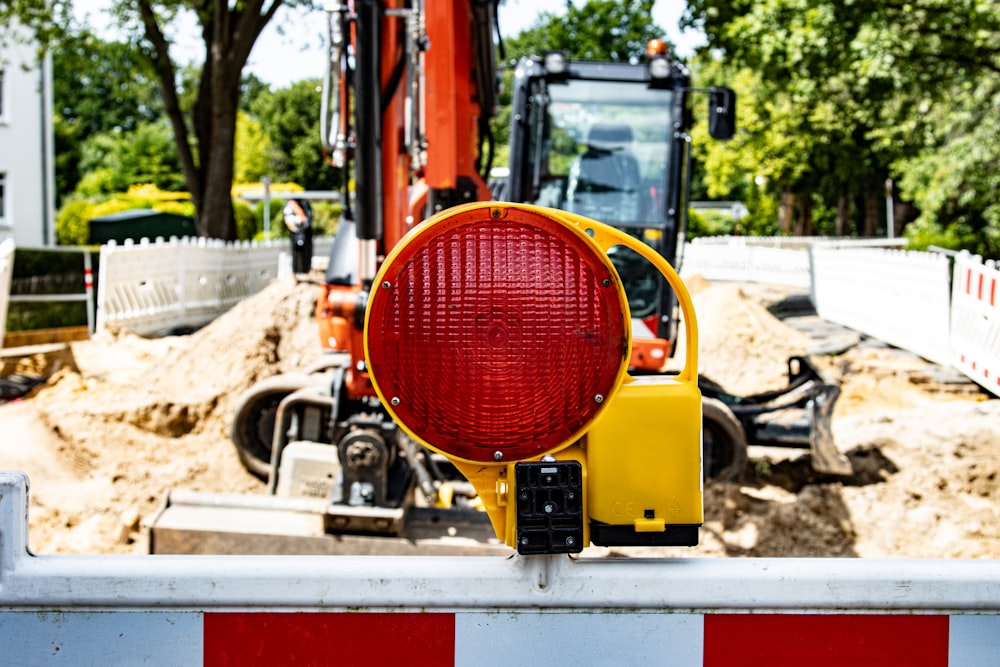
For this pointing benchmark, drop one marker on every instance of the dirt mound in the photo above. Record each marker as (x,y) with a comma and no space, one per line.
(741,345)
(141,416)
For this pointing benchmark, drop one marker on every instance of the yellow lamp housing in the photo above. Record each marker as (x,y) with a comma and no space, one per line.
(499,336)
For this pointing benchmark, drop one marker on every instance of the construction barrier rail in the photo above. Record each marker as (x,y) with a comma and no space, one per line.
(975,320)
(900,297)
(774,259)
(246,610)
(161,286)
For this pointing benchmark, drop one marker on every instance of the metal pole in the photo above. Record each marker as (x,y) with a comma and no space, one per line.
(266,181)
(890,224)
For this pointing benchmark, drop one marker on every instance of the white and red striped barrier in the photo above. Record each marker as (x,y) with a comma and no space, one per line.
(375,610)
(503,638)
(975,320)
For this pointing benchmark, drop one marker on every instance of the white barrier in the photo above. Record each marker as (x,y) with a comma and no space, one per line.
(155,287)
(193,610)
(896,296)
(975,320)
(6,270)
(734,258)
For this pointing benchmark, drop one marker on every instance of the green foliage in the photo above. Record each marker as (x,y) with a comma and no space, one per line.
(253,149)
(113,161)
(72,222)
(102,86)
(326,217)
(709,222)
(837,96)
(595,30)
(72,219)
(246,221)
(290,119)
(31,316)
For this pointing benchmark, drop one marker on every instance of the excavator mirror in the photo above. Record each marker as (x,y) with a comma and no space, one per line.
(722,113)
(499,336)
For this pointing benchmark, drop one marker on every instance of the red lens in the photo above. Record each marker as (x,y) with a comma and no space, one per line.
(490,336)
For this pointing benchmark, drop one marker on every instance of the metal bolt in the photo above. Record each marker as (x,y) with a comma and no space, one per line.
(386,285)
(549,508)
(599,398)
(606,282)
(571,541)
(524,541)
(570,495)
(395,400)
(495,213)
(498,455)
(524,495)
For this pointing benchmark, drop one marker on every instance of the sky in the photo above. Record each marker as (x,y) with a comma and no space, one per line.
(291,47)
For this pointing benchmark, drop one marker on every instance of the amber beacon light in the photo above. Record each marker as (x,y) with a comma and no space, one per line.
(499,336)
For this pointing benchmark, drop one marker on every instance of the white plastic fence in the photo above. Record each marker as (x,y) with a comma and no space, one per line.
(154,287)
(902,298)
(782,261)
(273,610)
(6,270)
(975,320)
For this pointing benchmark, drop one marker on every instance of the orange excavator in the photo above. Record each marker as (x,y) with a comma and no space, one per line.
(573,242)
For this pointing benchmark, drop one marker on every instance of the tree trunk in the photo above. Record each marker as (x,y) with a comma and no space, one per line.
(871,216)
(786,212)
(843,220)
(229,36)
(804,226)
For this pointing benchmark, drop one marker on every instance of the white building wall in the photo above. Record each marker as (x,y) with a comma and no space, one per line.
(26,140)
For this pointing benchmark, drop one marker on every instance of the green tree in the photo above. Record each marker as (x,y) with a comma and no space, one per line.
(205,136)
(880,88)
(290,119)
(100,85)
(112,161)
(596,30)
(97,87)
(253,148)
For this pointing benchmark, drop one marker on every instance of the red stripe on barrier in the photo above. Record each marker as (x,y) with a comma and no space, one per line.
(275,638)
(993,292)
(776,640)
(979,292)
(968,282)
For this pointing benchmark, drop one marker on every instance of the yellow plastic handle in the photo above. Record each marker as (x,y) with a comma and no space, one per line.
(606,237)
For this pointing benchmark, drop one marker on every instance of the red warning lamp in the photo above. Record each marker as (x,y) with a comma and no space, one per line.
(501,334)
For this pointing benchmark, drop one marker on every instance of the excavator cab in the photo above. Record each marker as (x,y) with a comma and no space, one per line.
(608,141)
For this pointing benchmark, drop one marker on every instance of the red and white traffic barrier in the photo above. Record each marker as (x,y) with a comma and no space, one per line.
(373,610)
(479,638)
(975,320)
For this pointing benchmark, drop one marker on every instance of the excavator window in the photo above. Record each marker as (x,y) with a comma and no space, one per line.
(601,149)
